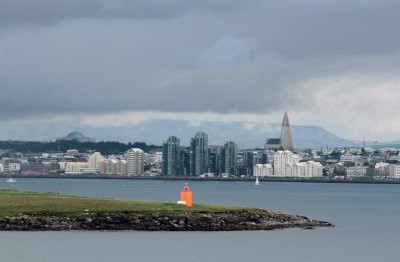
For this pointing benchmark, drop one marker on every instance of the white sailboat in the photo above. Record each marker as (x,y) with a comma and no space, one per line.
(11,180)
(257,182)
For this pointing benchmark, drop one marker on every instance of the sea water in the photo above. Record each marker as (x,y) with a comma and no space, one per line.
(367,219)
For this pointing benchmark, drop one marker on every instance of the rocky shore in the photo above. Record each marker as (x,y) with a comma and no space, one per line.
(235,220)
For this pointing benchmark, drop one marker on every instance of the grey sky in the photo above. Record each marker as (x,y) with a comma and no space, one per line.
(330,63)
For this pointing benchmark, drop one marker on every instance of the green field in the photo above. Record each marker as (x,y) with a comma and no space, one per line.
(14,203)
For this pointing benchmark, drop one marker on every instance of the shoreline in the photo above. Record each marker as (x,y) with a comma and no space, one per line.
(219,179)
(234,220)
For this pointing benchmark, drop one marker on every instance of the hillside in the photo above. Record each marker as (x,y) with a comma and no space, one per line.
(246,135)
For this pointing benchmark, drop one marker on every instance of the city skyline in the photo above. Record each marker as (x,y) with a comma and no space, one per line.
(245,134)
(117,64)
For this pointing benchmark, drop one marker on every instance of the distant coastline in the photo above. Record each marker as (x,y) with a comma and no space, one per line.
(219,179)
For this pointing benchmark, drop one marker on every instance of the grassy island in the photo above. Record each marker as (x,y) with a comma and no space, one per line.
(52,211)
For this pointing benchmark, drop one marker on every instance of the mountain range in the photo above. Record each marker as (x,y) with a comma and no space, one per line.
(245,134)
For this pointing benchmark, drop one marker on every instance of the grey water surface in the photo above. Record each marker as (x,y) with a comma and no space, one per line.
(367,219)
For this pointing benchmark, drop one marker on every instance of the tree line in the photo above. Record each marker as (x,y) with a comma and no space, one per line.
(105,147)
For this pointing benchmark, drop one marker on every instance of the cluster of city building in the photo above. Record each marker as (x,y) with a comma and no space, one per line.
(131,163)
(276,159)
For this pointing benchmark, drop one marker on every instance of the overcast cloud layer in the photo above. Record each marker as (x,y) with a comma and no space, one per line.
(75,63)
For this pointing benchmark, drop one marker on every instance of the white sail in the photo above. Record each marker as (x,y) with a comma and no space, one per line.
(11,180)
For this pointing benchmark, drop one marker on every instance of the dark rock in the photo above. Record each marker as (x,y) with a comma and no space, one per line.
(178,221)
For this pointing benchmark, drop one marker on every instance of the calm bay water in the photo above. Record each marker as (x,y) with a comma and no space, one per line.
(367,219)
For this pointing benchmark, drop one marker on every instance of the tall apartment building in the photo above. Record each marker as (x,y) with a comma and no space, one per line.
(229,158)
(199,154)
(185,158)
(284,162)
(214,159)
(95,159)
(134,161)
(171,155)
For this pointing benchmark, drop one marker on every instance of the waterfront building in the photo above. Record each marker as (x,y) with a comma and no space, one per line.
(249,160)
(356,171)
(95,159)
(185,158)
(394,171)
(134,161)
(13,167)
(114,167)
(284,162)
(382,169)
(299,169)
(214,155)
(262,170)
(199,154)
(313,169)
(76,167)
(229,158)
(106,167)
(171,155)
(31,168)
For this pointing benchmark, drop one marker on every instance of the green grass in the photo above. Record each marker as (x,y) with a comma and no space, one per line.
(14,203)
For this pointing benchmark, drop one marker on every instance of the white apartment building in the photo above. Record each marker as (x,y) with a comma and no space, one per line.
(396,173)
(313,169)
(1,168)
(299,169)
(308,169)
(284,163)
(134,161)
(12,167)
(356,171)
(95,159)
(263,170)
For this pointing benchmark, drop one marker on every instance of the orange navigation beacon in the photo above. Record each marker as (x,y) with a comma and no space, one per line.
(186,196)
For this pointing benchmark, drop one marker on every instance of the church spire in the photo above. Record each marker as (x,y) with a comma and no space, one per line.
(285,121)
(286,135)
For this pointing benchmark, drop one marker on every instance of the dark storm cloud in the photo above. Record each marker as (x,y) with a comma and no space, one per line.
(32,12)
(222,56)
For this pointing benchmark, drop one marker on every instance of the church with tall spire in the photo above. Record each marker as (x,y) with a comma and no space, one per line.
(286,135)
(285,141)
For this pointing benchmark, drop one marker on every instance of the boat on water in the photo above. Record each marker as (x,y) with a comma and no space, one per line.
(257,182)
(11,180)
